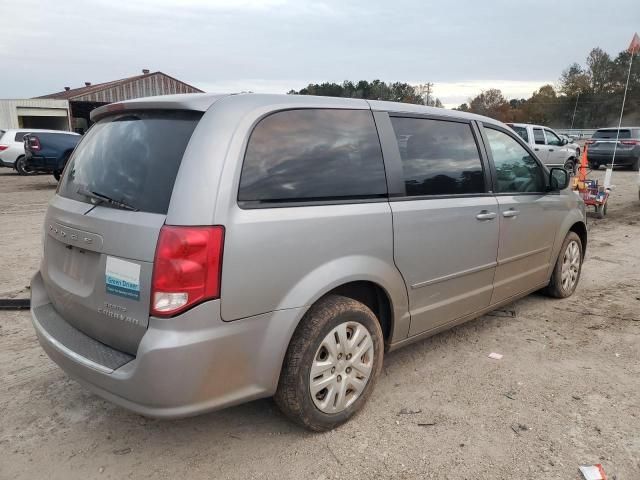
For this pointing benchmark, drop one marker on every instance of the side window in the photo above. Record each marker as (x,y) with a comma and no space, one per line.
(19,136)
(552,138)
(517,171)
(438,157)
(313,154)
(522,131)
(538,136)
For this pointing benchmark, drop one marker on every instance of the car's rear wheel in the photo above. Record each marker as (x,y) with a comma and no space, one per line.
(594,166)
(331,365)
(21,166)
(566,272)
(635,164)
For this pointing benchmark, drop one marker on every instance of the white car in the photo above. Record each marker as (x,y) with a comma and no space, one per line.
(550,148)
(12,146)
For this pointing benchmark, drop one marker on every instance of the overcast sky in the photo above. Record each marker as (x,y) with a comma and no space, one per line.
(461,46)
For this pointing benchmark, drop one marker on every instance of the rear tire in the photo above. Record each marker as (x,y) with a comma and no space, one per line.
(594,166)
(21,166)
(345,373)
(635,164)
(566,272)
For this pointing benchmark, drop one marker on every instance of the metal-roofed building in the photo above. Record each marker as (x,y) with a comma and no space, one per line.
(84,99)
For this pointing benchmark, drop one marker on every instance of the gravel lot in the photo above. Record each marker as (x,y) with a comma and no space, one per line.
(567,391)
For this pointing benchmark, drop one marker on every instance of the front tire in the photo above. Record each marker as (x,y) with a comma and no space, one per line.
(331,365)
(566,272)
(570,166)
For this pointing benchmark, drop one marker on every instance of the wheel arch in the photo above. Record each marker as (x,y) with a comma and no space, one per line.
(580,229)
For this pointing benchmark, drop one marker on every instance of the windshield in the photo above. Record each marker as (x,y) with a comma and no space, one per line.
(131,158)
(612,134)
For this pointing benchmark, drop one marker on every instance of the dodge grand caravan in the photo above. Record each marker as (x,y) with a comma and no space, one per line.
(203,250)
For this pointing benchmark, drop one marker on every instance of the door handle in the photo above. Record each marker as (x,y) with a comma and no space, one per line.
(511,213)
(486,215)
(537,149)
(551,149)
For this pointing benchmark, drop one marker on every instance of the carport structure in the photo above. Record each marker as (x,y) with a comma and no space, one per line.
(84,99)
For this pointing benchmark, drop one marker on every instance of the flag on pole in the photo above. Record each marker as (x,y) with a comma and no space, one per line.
(634,46)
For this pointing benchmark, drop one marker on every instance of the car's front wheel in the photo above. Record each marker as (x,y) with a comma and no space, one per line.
(570,166)
(566,272)
(331,365)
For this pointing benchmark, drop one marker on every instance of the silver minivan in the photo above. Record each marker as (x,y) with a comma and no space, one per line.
(203,251)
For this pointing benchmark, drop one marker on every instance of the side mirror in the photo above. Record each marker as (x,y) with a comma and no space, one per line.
(564,141)
(558,179)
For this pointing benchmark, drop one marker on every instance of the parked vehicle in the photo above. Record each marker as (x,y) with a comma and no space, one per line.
(550,148)
(203,251)
(603,142)
(12,147)
(47,152)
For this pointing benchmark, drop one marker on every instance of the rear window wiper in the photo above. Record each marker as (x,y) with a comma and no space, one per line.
(106,199)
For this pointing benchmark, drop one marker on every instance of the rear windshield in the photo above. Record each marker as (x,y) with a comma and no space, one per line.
(132,158)
(612,134)
(2,132)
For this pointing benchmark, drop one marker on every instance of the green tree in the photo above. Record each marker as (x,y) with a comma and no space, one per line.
(375,90)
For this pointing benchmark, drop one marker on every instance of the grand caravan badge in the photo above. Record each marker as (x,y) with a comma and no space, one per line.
(122,278)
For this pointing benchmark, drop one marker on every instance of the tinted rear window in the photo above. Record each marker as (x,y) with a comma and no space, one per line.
(132,158)
(612,134)
(438,157)
(313,155)
(20,136)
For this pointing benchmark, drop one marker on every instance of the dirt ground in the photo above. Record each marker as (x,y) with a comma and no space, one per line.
(566,392)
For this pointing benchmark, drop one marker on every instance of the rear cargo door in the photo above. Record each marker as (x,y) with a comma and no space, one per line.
(605,141)
(103,225)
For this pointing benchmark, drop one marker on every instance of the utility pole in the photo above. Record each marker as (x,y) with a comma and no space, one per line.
(574,110)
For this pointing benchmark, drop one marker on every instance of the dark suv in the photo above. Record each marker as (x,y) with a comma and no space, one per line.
(48,152)
(603,143)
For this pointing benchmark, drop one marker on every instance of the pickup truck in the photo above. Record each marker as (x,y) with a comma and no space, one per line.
(552,150)
(48,152)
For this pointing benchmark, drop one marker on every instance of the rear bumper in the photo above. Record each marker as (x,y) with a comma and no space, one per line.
(622,157)
(184,366)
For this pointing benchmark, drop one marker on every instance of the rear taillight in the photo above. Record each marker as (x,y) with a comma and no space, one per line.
(3,147)
(187,268)
(630,142)
(33,143)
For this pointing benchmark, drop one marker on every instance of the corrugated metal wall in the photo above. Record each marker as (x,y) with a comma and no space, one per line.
(149,86)
(9,109)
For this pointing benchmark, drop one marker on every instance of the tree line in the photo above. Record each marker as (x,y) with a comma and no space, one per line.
(375,90)
(586,96)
